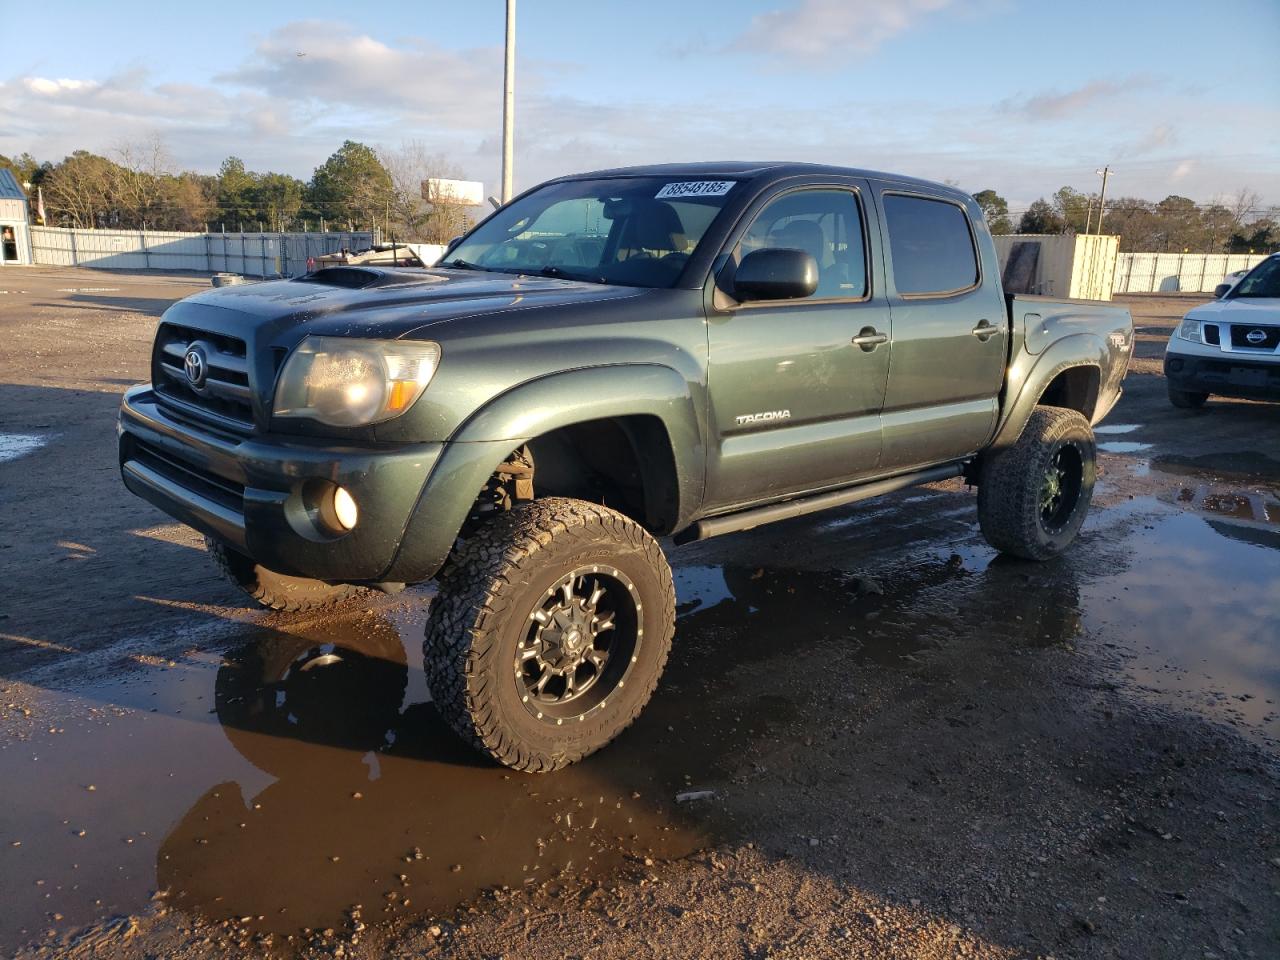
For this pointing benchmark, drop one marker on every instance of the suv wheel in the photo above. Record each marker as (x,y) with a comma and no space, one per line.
(278,591)
(1186,399)
(1034,495)
(549,633)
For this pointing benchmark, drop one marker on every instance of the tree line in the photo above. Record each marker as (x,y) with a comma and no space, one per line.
(136,187)
(361,188)
(1238,224)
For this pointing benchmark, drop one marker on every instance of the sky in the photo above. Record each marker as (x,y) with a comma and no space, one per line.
(1022,96)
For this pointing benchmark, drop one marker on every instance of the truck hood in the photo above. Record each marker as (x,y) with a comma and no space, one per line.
(1241,310)
(379,303)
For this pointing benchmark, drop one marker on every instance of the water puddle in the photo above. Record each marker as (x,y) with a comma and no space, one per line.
(1123,446)
(1113,429)
(1198,607)
(1107,430)
(15,445)
(317,757)
(304,770)
(1242,498)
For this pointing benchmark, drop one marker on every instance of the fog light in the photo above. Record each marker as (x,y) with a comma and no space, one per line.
(344,508)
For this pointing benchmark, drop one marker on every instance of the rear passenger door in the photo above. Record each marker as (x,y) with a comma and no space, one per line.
(949,344)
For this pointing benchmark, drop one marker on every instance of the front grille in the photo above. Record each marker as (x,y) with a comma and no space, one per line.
(220,490)
(1269,340)
(225,394)
(1212,335)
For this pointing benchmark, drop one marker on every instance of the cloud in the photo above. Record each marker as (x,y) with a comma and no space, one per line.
(1161,135)
(1069,102)
(816,28)
(286,113)
(45,87)
(334,64)
(51,118)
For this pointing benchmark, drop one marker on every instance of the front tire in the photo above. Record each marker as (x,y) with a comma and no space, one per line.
(1034,495)
(550,630)
(1186,399)
(278,591)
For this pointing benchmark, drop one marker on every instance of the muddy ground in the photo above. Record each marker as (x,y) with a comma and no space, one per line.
(903,745)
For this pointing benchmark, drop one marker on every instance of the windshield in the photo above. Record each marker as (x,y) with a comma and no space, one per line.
(635,231)
(1262,281)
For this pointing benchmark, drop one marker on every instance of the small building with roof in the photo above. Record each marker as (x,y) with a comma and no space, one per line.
(15,229)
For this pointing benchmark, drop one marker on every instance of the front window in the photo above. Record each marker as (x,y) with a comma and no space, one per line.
(824,223)
(634,231)
(1262,281)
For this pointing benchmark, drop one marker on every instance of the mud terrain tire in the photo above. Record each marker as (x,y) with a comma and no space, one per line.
(1186,399)
(278,591)
(504,618)
(1034,495)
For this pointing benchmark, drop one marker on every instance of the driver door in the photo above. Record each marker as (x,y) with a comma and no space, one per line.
(794,400)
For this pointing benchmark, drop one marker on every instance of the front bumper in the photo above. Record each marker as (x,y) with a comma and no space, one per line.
(1227,375)
(259,494)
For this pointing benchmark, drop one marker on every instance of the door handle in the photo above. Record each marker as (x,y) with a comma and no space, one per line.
(984,331)
(869,338)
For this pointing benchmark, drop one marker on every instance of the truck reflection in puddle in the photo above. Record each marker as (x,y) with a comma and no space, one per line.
(379,806)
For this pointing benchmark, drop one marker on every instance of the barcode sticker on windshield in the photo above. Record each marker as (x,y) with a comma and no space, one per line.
(695,188)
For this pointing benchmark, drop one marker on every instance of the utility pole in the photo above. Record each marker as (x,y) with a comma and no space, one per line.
(509,102)
(1104,173)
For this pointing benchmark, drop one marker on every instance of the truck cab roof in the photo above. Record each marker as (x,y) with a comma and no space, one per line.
(750,170)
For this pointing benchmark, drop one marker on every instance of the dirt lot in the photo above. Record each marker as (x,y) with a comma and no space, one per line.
(904,746)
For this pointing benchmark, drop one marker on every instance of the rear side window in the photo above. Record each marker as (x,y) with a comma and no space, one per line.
(931,246)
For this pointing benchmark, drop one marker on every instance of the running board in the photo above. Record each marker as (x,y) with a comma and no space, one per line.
(746,519)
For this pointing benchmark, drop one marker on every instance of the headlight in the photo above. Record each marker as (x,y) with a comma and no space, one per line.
(347,383)
(1190,330)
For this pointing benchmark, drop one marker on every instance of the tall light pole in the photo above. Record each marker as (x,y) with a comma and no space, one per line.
(509,102)
(1104,173)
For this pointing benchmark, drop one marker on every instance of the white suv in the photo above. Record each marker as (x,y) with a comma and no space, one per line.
(1231,346)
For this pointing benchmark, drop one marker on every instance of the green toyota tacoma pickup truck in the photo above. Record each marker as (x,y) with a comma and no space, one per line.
(669,351)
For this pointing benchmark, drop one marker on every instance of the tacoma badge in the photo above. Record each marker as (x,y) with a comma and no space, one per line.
(765,417)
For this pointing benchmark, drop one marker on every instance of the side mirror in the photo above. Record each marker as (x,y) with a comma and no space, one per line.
(1221,290)
(776,274)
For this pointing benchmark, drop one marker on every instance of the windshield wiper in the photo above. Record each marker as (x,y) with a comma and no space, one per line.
(562,274)
(461,265)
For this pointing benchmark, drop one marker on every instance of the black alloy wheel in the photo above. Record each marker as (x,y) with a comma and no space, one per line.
(582,639)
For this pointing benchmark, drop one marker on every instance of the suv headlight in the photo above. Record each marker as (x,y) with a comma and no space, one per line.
(344,382)
(1190,330)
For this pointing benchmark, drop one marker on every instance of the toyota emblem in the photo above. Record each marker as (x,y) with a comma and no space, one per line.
(196,367)
(1256,336)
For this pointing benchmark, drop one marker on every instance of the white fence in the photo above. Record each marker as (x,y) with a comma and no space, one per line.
(249,254)
(1178,272)
(1079,268)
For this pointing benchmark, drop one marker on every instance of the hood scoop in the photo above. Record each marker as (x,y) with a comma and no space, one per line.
(357,278)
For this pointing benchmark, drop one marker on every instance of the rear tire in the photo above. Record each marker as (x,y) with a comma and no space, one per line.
(1186,399)
(278,591)
(550,630)
(1034,495)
